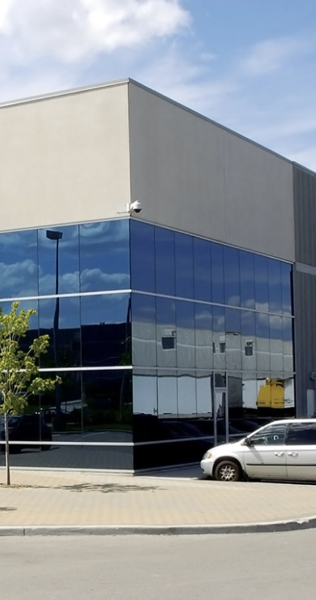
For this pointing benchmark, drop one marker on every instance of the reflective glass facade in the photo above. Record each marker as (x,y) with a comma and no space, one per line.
(212,343)
(165,343)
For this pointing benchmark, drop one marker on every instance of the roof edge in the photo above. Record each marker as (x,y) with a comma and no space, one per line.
(129,80)
(62,93)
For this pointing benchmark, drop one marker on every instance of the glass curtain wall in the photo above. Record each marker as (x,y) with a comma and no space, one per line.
(212,344)
(165,343)
(77,278)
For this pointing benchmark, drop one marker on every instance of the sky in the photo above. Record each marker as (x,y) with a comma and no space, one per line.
(250,65)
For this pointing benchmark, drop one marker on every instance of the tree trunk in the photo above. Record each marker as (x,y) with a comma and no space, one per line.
(7,453)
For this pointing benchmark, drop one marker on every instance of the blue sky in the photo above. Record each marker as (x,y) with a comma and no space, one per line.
(248,64)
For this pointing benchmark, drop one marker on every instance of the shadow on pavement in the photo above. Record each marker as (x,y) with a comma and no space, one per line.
(88,487)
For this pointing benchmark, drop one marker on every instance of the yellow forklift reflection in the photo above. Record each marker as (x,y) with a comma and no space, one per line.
(271,394)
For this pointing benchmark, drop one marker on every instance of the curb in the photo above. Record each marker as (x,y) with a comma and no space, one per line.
(60,530)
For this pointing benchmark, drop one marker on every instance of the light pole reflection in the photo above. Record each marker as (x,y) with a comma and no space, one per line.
(56,236)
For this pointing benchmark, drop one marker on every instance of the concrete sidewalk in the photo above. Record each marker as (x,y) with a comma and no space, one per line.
(179,501)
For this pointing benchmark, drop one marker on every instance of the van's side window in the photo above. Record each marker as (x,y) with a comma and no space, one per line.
(302,434)
(271,435)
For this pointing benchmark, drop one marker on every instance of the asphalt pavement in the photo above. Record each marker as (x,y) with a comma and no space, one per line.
(163,502)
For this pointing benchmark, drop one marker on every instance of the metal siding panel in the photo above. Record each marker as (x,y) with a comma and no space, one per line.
(304,336)
(304,186)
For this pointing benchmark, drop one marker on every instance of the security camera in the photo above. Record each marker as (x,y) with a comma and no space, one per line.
(136,207)
(131,207)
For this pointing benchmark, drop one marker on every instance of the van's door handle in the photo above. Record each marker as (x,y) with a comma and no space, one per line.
(279,453)
(292,453)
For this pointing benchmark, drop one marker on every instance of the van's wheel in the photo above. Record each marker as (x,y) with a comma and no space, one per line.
(227,470)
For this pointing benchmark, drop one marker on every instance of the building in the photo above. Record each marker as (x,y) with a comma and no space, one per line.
(172,328)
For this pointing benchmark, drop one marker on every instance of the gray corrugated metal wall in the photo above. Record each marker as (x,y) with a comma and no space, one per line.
(305,216)
(305,336)
(304,284)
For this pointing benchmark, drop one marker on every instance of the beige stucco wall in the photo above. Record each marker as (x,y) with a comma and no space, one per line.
(64,159)
(195,176)
(83,155)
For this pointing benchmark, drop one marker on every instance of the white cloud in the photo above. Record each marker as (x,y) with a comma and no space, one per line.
(270,55)
(187,81)
(89,277)
(4,10)
(290,125)
(16,277)
(75,30)
(68,282)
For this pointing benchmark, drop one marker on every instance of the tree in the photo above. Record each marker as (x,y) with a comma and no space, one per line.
(19,371)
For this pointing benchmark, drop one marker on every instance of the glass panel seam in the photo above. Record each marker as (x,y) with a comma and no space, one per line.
(78,369)
(205,302)
(70,295)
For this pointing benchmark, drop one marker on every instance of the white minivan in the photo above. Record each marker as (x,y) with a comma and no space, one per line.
(280,450)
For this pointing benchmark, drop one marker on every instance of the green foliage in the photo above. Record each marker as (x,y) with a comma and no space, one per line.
(19,374)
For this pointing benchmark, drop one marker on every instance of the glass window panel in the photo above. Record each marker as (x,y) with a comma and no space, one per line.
(144,343)
(263,342)
(18,264)
(106,330)
(203,336)
(165,261)
(58,260)
(248,334)
(204,396)
(231,276)
(248,327)
(275,288)
(263,395)
(289,393)
(286,271)
(202,269)
(232,323)
(217,260)
(62,408)
(142,256)
(146,424)
(167,395)
(104,256)
(184,265)
(274,397)
(185,334)
(186,399)
(288,344)
(77,457)
(274,392)
(249,396)
(233,338)
(261,283)
(242,399)
(219,338)
(60,319)
(108,406)
(247,279)
(145,393)
(112,457)
(166,332)
(276,342)
(235,404)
